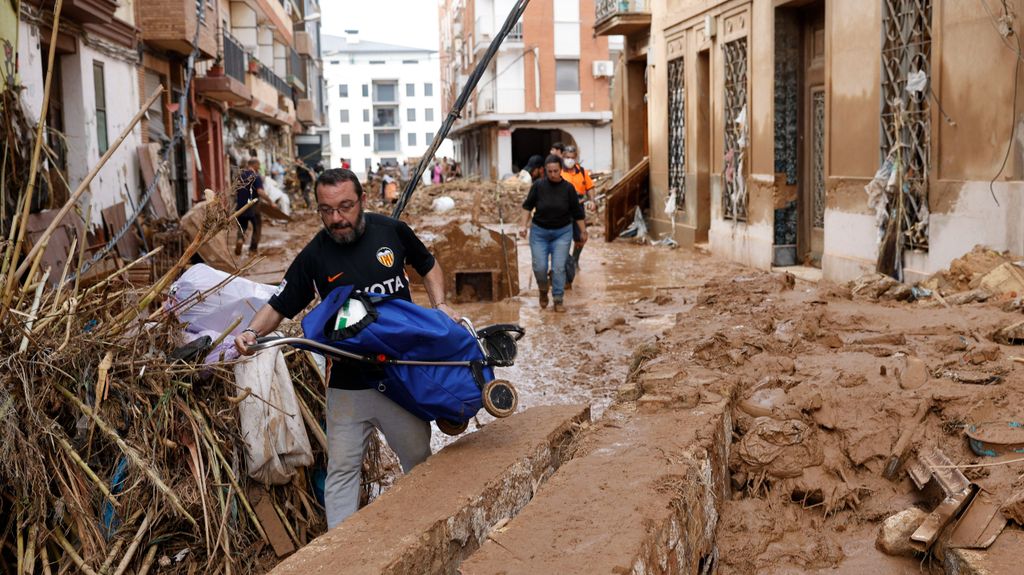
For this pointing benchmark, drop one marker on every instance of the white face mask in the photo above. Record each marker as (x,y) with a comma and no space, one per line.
(569,163)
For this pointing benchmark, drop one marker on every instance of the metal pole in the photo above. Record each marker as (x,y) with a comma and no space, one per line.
(513,16)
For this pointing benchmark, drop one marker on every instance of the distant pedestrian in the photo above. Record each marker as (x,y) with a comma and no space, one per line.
(437,173)
(555,210)
(533,170)
(305,177)
(557,149)
(579,177)
(248,188)
(345,164)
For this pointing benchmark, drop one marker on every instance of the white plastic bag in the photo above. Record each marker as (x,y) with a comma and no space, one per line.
(217,310)
(277,195)
(271,423)
(442,204)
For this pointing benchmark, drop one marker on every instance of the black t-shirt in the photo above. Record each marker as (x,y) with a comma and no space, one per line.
(375,263)
(249,183)
(555,205)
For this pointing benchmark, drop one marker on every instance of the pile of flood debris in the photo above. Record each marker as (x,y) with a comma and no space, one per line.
(127,434)
(861,423)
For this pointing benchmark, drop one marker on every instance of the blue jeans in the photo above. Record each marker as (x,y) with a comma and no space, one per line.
(545,243)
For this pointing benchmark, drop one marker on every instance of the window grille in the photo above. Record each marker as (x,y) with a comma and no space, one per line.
(677,130)
(818,156)
(734,194)
(907,49)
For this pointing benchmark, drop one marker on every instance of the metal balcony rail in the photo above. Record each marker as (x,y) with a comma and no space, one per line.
(516,35)
(234,58)
(607,8)
(268,76)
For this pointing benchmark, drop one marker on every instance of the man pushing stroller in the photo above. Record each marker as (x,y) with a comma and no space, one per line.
(368,252)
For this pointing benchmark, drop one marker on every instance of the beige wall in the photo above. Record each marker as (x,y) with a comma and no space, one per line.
(972,73)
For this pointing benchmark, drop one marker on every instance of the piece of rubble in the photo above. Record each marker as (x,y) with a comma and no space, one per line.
(980,353)
(971,296)
(1006,278)
(1012,334)
(1013,508)
(914,374)
(609,323)
(951,344)
(894,533)
(880,286)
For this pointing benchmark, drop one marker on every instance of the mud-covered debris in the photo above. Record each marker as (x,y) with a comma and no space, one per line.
(981,353)
(970,296)
(1012,334)
(966,272)
(779,448)
(894,533)
(609,323)
(1013,507)
(914,374)
(879,287)
(1008,278)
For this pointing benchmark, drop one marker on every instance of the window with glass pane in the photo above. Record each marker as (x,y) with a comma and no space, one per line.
(428,89)
(412,138)
(385,92)
(366,115)
(345,141)
(428,114)
(366,90)
(385,117)
(410,114)
(366,139)
(428,138)
(410,90)
(100,89)
(386,142)
(343,91)
(344,116)
(567,75)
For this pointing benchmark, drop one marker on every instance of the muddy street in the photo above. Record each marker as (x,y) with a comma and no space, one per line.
(819,388)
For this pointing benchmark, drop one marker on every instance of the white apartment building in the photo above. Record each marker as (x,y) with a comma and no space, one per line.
(384,102)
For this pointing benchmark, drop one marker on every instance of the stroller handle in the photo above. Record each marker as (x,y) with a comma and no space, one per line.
(267,342)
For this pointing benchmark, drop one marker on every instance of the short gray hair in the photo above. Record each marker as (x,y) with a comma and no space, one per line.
(569,149)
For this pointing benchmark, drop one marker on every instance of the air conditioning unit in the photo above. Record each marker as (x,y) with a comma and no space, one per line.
(603,69)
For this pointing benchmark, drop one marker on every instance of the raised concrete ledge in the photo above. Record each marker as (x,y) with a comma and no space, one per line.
(436,516)
(642,499)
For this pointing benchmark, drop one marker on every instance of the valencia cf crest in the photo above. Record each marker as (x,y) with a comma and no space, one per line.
(386,257)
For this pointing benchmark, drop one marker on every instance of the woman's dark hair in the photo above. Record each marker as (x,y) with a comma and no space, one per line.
(337,176)
(553,159)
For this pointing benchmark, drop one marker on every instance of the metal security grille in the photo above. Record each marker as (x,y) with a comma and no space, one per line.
(818,156)
(676,130)
(734,196)
(906,50)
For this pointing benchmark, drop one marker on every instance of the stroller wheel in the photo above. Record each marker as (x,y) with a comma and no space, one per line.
(500,398)
(450,427)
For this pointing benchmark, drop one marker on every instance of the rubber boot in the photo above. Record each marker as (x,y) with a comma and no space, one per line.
(559,307)
(543,288)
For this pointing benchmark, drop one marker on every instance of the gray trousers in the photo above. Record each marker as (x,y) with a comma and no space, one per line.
(352,416)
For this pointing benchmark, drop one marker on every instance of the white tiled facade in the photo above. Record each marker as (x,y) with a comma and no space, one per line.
(384,102)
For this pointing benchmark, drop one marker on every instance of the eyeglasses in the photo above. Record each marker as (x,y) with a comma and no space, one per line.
(344,208)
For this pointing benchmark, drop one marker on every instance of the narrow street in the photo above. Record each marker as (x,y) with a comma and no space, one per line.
(828,370)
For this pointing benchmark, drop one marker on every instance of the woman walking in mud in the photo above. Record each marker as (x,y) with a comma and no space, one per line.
(555,209)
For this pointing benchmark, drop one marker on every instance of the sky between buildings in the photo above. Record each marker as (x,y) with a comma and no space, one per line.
(404,22)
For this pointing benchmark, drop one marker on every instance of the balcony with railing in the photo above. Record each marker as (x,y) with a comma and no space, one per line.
(171,25)
(516,35)
(297,72)
(621,17)
(225,80)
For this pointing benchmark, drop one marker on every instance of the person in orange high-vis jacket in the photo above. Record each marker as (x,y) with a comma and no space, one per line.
(579,177)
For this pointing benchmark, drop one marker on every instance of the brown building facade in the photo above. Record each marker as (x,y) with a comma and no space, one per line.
(770,119)
(549,82)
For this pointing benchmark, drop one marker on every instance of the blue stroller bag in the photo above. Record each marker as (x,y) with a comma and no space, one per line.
(436,368)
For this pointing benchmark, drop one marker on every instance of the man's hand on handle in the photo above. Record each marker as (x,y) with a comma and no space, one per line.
(244,340)
(447,309)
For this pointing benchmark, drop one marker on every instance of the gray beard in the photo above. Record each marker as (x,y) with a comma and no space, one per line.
(357,230)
